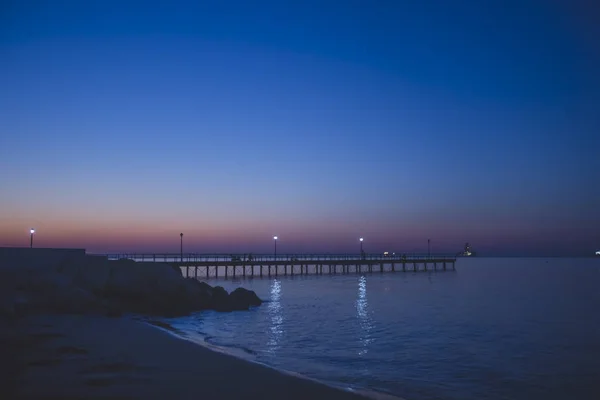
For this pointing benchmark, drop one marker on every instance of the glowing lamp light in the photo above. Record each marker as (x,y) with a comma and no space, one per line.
(361,239)
(31,232)
(274,237)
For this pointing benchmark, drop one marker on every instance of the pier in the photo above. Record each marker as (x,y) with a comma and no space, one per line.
(262,265)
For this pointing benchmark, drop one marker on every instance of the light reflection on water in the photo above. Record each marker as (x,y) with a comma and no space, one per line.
(362,310)
(495,329)
(276,317)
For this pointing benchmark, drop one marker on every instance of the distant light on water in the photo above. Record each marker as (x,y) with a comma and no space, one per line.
(423,335)
(361,303)
(362,311)
(275,312)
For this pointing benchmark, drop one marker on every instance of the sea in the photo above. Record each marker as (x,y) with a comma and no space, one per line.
(494,328)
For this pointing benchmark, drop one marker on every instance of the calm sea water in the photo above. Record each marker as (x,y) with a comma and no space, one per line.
(504,328)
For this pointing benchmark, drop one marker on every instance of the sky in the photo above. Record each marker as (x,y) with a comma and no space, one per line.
(124,124)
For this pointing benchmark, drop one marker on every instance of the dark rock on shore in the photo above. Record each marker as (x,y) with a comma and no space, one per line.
(220,299)
(239,300)
(114,288)
(199,294)
(243,299)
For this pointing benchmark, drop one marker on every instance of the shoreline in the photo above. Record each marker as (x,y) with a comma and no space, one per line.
(181,335)
(97,357)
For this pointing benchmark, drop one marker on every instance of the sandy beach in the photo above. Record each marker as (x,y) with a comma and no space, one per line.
(74,326)
(94,357)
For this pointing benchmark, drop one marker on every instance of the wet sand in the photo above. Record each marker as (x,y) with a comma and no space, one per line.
(91,357)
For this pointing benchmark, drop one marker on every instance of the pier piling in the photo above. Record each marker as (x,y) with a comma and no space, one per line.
(192,264)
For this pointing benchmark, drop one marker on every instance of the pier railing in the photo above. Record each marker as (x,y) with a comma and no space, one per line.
(263,258)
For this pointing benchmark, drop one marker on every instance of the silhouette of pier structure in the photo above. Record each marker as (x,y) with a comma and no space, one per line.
(263,265)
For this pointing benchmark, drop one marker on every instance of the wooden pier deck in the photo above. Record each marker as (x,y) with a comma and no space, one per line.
(248,265)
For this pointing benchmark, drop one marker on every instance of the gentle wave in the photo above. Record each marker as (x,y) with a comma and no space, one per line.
(505,328)
(243,355)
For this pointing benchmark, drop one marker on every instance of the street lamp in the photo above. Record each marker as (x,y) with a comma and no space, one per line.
(181,248)
(275,240)
(429,248)
(31,232)
(361,248)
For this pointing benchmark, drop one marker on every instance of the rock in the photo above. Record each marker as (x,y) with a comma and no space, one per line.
(201,286)
(203,296)
(205,286)
(198,294)
(156,289)
(72,300)
(93,284)
(93,275)
(243,299)
(47,282)
(56,299)
(142,279)
(240,299)
(220,299)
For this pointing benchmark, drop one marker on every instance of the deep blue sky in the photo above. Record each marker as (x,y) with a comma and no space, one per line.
(124,123)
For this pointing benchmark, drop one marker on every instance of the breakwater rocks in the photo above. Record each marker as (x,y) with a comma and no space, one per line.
(91,285)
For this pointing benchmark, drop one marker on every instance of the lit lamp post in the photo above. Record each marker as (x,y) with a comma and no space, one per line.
(361,248)
(181,246)
(31,232)
(275,240)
